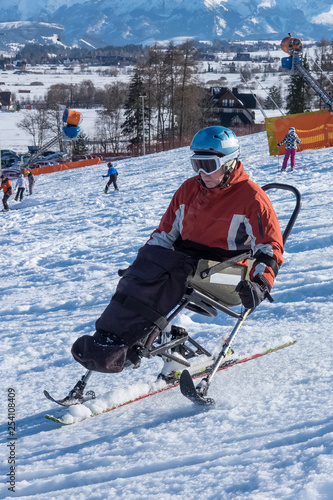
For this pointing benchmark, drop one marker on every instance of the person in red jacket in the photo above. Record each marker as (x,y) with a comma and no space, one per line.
(217,214)
(221,212)
(6,186)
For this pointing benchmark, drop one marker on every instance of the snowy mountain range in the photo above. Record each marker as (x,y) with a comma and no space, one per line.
(99,23)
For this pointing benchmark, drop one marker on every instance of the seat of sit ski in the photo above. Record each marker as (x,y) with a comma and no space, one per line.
(220,286)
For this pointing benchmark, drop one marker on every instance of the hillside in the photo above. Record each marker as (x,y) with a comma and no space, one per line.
(269,436)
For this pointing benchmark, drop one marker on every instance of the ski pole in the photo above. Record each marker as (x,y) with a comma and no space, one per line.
(203,386)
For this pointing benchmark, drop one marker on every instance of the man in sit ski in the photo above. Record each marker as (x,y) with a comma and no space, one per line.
(217,214)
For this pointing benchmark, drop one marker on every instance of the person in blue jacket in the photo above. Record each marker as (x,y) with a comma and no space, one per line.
(113,174)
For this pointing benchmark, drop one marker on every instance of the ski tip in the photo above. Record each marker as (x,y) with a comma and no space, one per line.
(56,419)
(185,374)
(186,382)
(190,392)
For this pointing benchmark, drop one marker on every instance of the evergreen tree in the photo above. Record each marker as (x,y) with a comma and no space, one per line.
(298,92)
(132,127)
(274,98)
(80,144)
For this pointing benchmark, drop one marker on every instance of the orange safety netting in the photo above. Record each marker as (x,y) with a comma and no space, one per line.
(315,129)
(65,166)
(319,137)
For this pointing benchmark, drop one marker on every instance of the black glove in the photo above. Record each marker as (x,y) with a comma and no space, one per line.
(253,292)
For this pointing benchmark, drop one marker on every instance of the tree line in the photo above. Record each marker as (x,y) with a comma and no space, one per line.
(163,102)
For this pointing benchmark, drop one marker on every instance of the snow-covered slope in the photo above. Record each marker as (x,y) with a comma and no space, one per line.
(269,435)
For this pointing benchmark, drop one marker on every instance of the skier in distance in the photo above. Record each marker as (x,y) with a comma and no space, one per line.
(290,140)
(113,174)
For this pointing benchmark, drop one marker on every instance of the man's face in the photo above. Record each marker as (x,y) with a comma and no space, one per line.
(213,180)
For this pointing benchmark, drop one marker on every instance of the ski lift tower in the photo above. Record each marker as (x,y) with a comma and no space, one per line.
(294,47)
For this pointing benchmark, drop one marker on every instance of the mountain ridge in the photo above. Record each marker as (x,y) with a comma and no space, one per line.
(102,23)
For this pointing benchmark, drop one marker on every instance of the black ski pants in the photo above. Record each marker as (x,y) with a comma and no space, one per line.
(112,180)
(19,194)
(4,201)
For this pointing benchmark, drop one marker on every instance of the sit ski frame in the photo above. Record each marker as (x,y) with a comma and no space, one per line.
(180,341)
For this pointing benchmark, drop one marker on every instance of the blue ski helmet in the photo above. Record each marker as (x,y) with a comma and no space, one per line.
(215,140)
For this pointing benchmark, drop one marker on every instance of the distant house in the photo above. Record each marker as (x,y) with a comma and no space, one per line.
(208,57)
(230,108)
(6,101)
(242,56)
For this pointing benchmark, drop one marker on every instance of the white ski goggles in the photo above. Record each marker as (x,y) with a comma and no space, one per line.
(211,163)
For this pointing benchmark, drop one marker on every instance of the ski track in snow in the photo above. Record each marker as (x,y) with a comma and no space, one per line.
(269,435)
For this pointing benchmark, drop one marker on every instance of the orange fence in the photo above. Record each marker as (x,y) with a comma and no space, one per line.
(315,129)
(316,138)
(65,166)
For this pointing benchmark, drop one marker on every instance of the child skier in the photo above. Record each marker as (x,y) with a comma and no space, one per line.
(21,185)
(291,140)
(113,174)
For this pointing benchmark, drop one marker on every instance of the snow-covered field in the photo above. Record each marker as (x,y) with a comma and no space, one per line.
(269,435)
(20,83)
(16,81)
(23,86)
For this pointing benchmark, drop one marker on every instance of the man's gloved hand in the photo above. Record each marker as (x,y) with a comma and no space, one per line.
(253,292)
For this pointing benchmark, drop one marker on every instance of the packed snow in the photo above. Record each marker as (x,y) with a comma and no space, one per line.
(269,435)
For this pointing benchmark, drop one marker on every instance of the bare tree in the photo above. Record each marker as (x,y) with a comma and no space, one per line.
(60,94)
(84,94)
(185,74)
(37,124)
(112,97)
(108,122)
(108,132)
(171,60)
(56,124)
(154,72)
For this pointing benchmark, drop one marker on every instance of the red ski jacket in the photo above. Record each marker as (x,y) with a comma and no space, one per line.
(6,185)
(228,220)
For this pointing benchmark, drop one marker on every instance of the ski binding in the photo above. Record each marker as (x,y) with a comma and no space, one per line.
(75,396)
